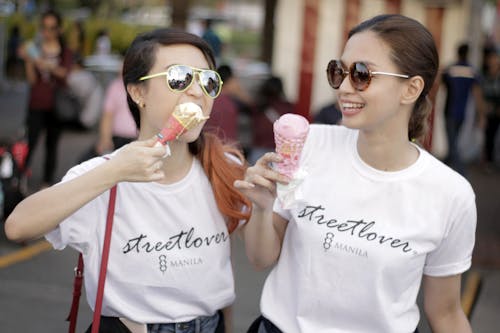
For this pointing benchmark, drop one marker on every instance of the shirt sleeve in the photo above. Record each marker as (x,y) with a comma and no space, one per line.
(78,229)
(454,253)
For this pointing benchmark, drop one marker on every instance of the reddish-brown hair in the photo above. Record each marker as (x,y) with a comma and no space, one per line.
(223,164)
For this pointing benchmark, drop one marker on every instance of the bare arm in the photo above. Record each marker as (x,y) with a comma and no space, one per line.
(105,133)
(228,319)
(264,232)
(442,304)
(43,211)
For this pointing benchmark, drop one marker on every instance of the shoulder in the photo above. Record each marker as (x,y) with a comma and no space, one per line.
(83,168)
(446,180)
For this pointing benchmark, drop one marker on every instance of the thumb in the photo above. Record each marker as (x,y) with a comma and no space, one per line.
(151,141)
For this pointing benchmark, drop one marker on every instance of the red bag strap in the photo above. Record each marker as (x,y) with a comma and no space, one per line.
(104,261)
(77,291)
(77,284)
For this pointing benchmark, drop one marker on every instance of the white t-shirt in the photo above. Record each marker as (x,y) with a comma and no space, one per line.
(169,258)
(354,252)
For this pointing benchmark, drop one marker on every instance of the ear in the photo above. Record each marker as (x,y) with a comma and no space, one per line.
(412,90)
(136,91)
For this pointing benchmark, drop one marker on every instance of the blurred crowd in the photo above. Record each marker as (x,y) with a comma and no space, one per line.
(66,91)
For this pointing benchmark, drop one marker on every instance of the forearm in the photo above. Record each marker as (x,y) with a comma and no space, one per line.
(228,318)
(452,321)
(60,72)
(30,71)
(262,238)
(105,133)
(43,211)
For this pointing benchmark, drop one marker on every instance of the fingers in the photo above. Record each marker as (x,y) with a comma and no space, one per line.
(269,158)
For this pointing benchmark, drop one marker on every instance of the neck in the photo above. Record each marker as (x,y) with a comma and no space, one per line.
(177,165)
(386,152)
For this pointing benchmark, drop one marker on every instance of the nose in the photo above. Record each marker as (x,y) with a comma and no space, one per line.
(346,85)
(195,87)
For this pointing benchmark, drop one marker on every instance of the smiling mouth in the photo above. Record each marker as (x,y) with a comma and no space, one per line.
(350,108)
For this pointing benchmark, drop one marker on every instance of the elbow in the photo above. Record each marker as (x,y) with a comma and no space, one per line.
(261,262)
(12,230)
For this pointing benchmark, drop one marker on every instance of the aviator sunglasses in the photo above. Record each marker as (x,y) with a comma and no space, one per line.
(359,74)
(181,77)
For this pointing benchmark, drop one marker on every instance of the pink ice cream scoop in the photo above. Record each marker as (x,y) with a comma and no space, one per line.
(290,133)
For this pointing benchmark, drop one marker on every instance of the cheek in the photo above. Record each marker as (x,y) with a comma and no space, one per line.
(208,109)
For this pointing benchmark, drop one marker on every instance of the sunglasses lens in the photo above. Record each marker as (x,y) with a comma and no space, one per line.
(210,82)
(360,76)
(179,77)
(335,73)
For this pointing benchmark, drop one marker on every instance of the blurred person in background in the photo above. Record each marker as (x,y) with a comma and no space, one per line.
(491,93)
(117,127)
(462,82)
(328,114)
(14,64)
(76,38)
(88,91)
(211,37)
(47,63)
(102,43)
(233,100)
(271,104)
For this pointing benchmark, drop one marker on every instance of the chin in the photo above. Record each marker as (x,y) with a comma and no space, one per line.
(191,135)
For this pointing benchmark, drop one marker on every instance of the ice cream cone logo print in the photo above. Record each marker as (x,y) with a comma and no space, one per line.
(185,117)
(163,263)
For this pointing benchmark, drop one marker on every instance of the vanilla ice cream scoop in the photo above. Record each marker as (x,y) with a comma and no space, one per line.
(185,117)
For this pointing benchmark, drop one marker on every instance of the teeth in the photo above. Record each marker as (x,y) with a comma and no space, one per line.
(352,105)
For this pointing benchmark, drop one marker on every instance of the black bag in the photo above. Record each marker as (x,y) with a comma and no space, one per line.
(110,325)
(68,107)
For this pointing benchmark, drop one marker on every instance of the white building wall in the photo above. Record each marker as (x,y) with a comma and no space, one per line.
(328,46)
(288,38)
(287,44)
(455,26)
(370,8)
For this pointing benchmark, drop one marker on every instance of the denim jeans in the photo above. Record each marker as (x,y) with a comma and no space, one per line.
(198,325)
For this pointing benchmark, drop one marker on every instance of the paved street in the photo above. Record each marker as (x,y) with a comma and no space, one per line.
(35,294)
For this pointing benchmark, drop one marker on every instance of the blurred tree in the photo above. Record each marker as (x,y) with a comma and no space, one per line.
(268,31)
(93,5)
(180,11)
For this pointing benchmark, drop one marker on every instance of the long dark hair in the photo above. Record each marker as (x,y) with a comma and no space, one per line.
(55,14)
(221,170)
(414,53)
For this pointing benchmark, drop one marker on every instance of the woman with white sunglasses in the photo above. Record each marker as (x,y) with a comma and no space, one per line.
(379,214)
(169,260)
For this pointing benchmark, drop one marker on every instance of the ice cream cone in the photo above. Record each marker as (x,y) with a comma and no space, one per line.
(185,117)
(290,133)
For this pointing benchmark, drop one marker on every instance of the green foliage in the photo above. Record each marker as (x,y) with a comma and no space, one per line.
(120,33)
